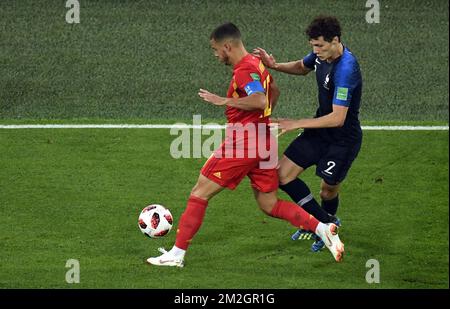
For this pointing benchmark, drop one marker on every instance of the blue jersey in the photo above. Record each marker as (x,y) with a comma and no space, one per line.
(339,82)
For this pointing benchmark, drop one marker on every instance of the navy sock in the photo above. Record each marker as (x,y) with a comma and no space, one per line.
(331,206)
(300,194)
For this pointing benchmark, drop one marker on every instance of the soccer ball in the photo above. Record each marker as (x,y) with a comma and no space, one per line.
(155,221)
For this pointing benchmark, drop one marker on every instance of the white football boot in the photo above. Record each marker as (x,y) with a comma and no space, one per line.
(328,233)
(166,259)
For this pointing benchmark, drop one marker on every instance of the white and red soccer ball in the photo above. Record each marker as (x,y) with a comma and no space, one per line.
(155,221)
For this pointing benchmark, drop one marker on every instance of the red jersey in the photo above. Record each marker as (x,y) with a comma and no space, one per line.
(249,69)
(242,153)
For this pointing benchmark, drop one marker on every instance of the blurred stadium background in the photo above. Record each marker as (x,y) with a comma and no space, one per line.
(147,59)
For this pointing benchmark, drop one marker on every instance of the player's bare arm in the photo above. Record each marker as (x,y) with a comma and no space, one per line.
(332,120)
(293,67)
(254,101)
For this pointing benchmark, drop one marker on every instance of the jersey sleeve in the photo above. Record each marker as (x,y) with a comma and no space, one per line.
(309,60)
(249,81)
(346,80)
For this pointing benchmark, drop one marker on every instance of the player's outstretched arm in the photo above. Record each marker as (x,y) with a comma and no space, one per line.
(332,120)
(293,67)
(254,101)
(211,97)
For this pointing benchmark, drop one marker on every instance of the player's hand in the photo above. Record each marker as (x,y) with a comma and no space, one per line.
(285,125)
(268,60)
(212,98)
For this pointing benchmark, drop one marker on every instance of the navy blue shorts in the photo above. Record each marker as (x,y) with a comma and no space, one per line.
(332,160)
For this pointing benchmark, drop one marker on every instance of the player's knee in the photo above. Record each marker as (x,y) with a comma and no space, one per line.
(266,207)
(195,191)
(285,177)
(328,194)
(267,202)
(198,191)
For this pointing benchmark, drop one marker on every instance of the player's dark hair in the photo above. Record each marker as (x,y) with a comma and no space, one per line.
(326,26)
(225,31)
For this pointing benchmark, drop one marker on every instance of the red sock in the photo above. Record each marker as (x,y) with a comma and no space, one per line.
(296,215)
(190,221)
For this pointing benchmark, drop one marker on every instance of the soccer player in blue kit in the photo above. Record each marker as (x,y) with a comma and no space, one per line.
(332,139)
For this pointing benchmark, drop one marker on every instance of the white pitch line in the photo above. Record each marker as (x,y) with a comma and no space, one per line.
(110,126)
(187,126)
(406,128)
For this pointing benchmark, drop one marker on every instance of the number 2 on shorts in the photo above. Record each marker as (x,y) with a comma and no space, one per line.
(331,164)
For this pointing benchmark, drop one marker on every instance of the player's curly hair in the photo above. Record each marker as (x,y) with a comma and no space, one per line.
(326,26)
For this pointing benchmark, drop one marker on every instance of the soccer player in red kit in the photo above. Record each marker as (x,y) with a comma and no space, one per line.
(249,102)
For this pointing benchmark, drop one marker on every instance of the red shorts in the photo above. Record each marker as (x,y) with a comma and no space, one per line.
(228,173)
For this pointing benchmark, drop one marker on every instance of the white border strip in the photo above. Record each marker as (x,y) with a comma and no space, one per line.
(187,126)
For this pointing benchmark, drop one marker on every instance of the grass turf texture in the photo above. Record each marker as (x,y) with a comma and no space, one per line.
(77,194)
(147,59)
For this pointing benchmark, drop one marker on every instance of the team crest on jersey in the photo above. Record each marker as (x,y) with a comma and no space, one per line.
(255,76)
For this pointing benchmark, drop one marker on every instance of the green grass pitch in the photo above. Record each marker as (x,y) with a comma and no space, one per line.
(77,194)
